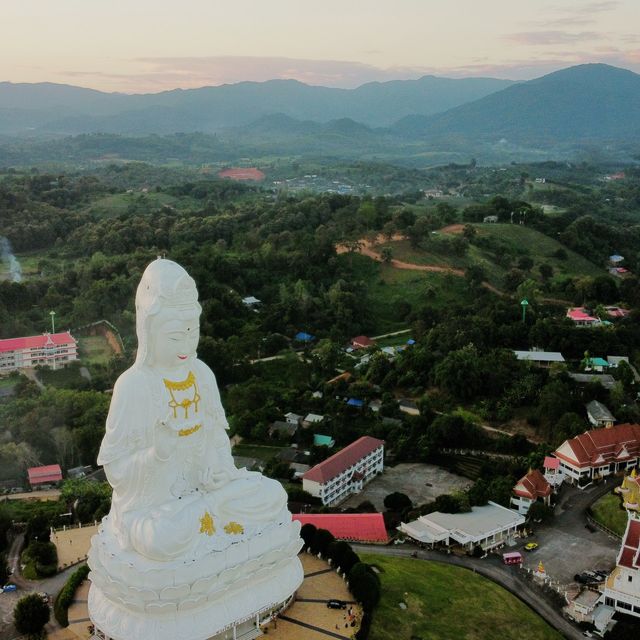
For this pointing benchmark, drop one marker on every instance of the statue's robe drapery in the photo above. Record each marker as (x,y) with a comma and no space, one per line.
(155,501)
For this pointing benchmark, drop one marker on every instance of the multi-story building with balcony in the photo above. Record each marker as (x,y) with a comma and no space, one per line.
(345,472)
(48,350)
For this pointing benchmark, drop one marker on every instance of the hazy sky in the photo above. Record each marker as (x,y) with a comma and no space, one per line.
(151,45)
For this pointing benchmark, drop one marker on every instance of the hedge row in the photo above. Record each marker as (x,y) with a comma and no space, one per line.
(65,597)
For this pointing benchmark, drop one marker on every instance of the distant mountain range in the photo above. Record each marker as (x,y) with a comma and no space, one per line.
(592,102)
(593,107)
(51,108)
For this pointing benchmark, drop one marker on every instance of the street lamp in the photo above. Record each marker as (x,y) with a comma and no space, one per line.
(524,303)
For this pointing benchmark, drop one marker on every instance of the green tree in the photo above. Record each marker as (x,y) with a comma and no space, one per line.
(30,615)
(397,501)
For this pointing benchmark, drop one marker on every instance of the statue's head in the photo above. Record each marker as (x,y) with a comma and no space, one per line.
(167,316)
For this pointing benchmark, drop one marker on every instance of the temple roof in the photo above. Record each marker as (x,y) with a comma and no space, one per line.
(630,551)
(602,446)
(533,486)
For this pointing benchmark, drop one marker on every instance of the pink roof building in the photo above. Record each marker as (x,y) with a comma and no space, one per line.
(362,342)
(356,527)
(580,317)
(48,349)
(44,475)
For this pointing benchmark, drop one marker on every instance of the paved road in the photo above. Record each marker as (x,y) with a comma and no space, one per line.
(8,601)
(506,577)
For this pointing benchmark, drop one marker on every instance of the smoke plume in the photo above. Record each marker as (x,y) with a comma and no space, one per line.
(15,270)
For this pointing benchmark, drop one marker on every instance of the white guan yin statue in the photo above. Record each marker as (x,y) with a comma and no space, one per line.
(193,548)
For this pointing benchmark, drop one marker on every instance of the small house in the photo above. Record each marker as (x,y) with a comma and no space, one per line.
(250,301)
(293,418)
(409,407)
(362,342)
(581,318)
(320,440)
(531,488)
(596,364)
(311,419)
(49,474)
(599,415)
(280,429)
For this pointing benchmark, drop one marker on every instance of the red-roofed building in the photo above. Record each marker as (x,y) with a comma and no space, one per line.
(599,453)
(530,489)
(48,350)
(242,174)
(622,588)
(355,527)
(345,472)
(44,475)
(581,318)
(362,342)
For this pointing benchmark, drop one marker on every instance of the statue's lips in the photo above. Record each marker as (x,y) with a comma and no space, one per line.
(183,357)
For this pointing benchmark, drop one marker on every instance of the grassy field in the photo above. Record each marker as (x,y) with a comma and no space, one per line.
(119,203)
(95,350)
(515,239)
(390,288)
(448,603)
(608,511)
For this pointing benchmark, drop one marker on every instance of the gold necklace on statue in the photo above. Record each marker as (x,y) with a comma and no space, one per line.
(180,399)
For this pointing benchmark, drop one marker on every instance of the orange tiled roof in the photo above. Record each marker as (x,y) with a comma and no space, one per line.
(533,486)
(602,446)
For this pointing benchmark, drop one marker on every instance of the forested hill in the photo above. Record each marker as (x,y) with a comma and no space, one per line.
(584,103)
(66,109)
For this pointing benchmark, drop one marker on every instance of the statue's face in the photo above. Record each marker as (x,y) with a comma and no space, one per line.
(174,337)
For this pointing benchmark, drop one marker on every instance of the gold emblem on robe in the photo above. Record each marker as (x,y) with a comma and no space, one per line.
(206,524)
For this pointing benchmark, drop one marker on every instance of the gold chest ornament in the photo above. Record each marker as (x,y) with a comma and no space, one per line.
(184,396)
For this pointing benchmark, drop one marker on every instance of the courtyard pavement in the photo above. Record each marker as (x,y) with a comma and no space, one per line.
(73,544)
(421,482)
(308,617)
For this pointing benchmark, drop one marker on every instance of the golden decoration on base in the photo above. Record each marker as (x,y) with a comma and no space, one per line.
(206,524)
(233,528)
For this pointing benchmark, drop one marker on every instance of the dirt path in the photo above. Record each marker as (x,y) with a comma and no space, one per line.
(367,248)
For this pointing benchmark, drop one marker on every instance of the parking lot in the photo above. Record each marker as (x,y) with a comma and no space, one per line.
(421,482)
(566,546)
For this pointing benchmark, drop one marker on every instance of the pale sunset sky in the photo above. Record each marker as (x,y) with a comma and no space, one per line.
(137,46)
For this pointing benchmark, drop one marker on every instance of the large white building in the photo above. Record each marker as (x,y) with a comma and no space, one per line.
(489,526)
(345,472)
(47,350)
(599,453)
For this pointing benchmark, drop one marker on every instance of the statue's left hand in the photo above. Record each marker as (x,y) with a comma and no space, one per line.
(212,479)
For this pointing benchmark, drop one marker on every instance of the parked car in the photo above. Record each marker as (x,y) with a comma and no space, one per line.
(531,546)
(9,587)
(336,604)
